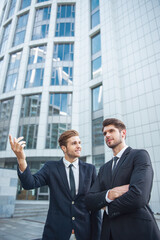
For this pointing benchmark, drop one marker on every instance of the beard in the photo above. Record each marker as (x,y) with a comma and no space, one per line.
(115,144)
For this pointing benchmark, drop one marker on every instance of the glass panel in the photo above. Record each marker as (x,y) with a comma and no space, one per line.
(65,20)
(25,3)
(96,43)
(12,73)
(98,161)
(5,37)
(96,67)
(61,76)
(6,107)
(94,4)
(12,7)
(97,136)
(60,104)
(54,132)
(31,106)
(97,103)
(41,25)
(29,132)
(95,19)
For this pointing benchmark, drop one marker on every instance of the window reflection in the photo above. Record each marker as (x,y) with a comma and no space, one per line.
(60,104)
(95,18)
(98,161)
(41,25)
(96,55)
(25,3)
(97,98)
(97,136)
(12,73)
(65,20)
(20,30)
(54,131)
(62,65)
(6,107)
(36,61)
(12,7)
(5,38)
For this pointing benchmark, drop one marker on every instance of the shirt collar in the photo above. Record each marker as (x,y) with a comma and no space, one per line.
(119,155)
(67,163)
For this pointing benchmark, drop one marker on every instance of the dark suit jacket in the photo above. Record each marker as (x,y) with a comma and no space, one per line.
(130,217)
(62,207)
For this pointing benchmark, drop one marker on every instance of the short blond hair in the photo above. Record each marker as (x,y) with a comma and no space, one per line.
(65,136)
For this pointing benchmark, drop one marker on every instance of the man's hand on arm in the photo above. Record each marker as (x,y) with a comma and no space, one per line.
(17,146)
(116,192)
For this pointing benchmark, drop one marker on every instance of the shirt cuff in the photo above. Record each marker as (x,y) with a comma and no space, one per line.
(20,171)
(107,199)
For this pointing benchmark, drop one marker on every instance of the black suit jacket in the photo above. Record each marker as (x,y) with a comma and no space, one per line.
(129,216)
(62,207)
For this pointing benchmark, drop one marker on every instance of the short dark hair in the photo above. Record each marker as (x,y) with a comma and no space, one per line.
(65,136)
(115,122)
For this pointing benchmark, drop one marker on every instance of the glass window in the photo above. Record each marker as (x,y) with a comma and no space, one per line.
(12,73)
(60,104)
(41,25)
(25,3)
(94,4)
(96,55)
(31,106)
(36,61)
(97,136)
(61,76)
(95,19)
(6,107)
(96,43)
(54,131)
(12,7)
(29,132)
(5,38)
(20,30)
(97,99)
(98,161)
(2,15)
(96,67)
(63,52)
(65,20)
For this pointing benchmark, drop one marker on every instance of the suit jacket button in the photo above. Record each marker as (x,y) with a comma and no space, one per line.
(73,218)
(72,202)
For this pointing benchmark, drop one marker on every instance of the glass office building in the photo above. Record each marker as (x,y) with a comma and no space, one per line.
(70,64)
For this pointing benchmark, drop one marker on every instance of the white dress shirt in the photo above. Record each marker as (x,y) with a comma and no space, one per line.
(75,169)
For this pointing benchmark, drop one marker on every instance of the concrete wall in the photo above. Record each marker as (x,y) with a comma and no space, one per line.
(8,189)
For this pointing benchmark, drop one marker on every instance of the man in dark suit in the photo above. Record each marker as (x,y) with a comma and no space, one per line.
(123,188)
(69,180)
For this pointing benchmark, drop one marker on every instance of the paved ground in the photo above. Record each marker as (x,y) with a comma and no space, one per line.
(29,228)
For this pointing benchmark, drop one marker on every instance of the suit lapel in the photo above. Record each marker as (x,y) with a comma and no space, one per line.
(62,172)
(82,170)
(122,159)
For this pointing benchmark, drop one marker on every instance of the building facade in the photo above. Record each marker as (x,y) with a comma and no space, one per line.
(70,64)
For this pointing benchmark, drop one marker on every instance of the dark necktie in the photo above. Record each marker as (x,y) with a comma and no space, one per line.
(114,163)
(72,182)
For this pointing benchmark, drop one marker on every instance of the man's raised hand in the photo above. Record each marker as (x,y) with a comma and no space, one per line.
(17,146)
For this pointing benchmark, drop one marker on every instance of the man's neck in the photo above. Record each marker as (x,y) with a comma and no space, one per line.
(69,159)
(118,148)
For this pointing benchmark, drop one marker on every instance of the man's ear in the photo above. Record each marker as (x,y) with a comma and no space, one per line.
(123,133)
(63,148)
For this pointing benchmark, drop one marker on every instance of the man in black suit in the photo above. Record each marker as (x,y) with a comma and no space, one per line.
(69,180)
(123,188)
